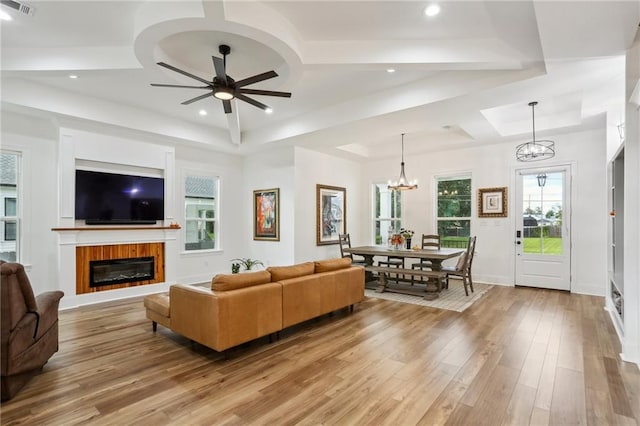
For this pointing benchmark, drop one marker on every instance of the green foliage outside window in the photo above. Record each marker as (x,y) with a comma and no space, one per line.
(454,212)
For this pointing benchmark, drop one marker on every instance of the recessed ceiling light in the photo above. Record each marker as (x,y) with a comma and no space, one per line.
(202,112)
(73,76)
(432,10)
(391,70)
(269,110)
(4,16)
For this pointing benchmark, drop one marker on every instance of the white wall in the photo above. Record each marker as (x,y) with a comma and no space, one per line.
(494,166)
(268,170)
(36,140)
(195,267)
(312,168)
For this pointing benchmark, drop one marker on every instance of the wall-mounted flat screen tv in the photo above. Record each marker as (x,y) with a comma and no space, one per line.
(110,198)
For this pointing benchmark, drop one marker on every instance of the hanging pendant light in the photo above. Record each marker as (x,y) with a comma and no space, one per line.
(542,179)
(535,150)
(402,183)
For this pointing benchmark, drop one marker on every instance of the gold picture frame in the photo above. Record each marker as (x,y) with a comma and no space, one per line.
(266,214)
(331,214)
(492,202)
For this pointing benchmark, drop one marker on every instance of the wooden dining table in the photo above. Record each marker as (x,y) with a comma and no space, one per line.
(436,256)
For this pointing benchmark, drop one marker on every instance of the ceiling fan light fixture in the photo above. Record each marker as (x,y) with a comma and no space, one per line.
(432,10)
(535,150)
(224,93)
(402,184)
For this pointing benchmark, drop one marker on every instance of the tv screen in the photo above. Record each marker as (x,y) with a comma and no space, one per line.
(104,198)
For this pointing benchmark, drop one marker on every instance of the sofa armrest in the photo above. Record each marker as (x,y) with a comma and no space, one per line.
(194,313)
(221,320)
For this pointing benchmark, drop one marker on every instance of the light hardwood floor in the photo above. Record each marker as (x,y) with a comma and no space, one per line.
(518,356)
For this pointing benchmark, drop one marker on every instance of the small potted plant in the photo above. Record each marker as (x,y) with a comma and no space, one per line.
(247,264)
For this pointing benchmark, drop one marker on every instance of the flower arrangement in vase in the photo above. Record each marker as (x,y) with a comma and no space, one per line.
(407,234)
(396,241)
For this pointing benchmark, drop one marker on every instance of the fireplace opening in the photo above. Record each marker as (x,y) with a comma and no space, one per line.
(116,271)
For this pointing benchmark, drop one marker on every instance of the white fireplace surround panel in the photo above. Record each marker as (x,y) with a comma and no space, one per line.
(69,240)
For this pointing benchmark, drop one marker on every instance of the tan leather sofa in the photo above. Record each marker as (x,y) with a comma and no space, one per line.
(242,307)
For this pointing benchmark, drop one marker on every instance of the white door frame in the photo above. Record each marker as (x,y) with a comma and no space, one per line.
(561,277)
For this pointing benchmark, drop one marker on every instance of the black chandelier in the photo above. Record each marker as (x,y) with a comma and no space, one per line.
(535,150)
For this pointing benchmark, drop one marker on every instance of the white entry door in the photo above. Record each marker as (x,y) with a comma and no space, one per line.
(543,226)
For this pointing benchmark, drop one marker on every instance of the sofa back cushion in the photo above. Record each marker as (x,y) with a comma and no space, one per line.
(332,264)
(226,282)
(281,273)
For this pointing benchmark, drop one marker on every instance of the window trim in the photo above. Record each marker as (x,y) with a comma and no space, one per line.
(460,175)
(216,220)
(381,219)
(22,163)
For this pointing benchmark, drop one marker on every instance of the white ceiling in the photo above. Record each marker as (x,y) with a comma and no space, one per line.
(462,77)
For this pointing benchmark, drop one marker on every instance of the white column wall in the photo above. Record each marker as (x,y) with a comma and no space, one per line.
(631,338)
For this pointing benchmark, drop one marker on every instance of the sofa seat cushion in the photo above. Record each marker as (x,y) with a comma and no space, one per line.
(227,282)
(281,273)
(158,303)
(332,264)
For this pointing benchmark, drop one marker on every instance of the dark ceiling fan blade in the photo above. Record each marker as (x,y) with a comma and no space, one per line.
(221,73)
(175,85)
(195,77)
(227,107)
(252,101)
(256,78)
(197,98)
(264,93)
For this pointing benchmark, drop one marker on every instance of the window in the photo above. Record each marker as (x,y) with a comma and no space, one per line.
(201,212)
(9,178)
(454,210)
(387,212)
(10,228)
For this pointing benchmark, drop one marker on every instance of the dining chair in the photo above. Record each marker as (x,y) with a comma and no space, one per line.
(345,242)
(463,267)
(429,241)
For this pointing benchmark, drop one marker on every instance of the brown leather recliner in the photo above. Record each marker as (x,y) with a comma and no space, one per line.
(29,328)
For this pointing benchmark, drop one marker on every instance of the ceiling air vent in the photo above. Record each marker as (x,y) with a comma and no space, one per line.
(20,7)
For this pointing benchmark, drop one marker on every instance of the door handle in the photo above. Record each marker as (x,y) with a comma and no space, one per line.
(518,242)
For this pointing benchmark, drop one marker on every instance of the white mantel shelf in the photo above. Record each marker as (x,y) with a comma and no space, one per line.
(115,228)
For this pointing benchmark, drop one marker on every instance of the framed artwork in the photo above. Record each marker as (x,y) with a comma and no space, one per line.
(331,214)
(492,202)
(266,214)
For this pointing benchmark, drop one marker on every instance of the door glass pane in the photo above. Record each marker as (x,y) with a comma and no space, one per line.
(542,213)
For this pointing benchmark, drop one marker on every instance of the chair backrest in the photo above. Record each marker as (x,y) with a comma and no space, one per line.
(468,254)
(431,241)
(345,242)
(471,250)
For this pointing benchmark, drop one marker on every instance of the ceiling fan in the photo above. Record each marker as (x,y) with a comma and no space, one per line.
(224,87)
